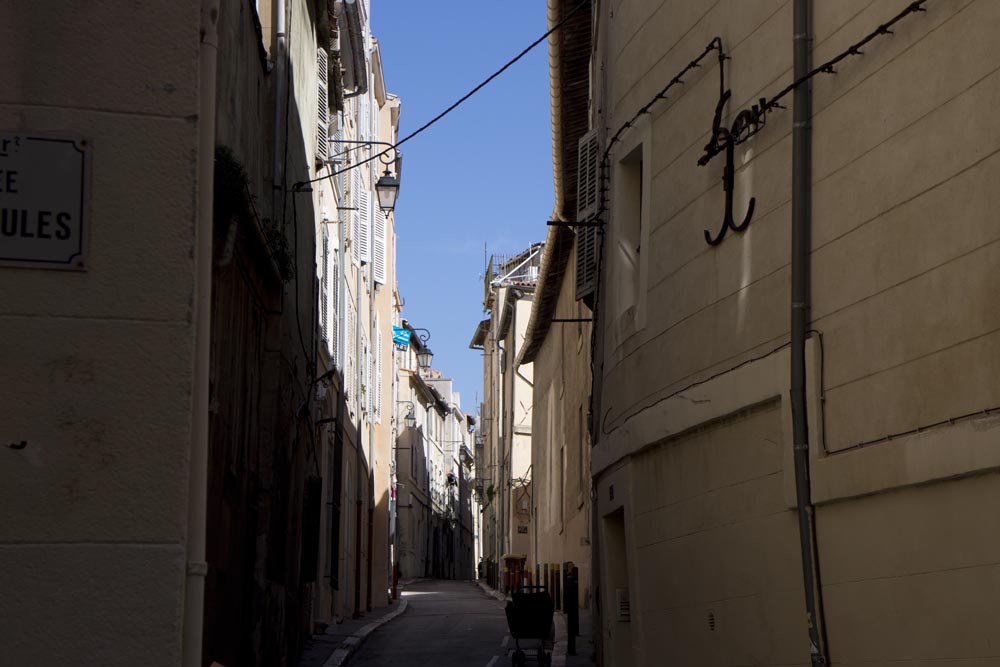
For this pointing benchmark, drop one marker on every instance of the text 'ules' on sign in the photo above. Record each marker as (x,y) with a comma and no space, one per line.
(44,192)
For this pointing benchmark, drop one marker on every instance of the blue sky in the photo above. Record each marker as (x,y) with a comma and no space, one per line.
(480,176)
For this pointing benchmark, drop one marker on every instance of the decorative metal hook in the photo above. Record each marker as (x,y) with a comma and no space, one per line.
(747,123)
(728,182)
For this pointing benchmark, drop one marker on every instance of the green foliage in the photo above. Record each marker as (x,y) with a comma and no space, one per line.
(233,200)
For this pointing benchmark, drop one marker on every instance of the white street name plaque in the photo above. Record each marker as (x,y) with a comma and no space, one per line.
(44,197)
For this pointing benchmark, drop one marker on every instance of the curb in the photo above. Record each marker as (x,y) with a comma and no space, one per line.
(352,643)
(492,593)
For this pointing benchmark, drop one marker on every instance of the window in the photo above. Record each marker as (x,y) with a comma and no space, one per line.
(628,237)
(628,227)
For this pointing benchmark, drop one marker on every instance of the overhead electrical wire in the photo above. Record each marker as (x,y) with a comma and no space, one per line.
(457,103)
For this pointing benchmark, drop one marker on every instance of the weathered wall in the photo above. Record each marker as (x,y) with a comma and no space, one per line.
(98,363)
(713,543)
(902,286)
(560,444)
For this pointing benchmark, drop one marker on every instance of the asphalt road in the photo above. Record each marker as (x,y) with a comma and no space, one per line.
(446,624)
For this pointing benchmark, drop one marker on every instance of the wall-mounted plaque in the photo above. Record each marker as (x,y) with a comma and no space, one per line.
(44,200)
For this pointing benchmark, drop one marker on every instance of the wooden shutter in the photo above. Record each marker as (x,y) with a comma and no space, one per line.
(337,146)
(587,205)
(322,106)
(324,286)
(378,369)
(379,246)
(368,376)
(356,214)
(351,334)
(335,326)
(365,223)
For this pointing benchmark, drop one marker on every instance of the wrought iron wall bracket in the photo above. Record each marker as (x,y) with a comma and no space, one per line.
(588,223)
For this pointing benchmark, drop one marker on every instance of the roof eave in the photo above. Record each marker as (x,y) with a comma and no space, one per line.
(570,119)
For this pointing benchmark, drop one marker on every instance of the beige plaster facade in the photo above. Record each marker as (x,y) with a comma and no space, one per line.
(692,457)
(112,385)
(503,467)
(98,364)
(560,442)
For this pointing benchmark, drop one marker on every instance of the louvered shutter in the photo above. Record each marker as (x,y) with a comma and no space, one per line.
(363,111)
(587,203)
(378,369)
(364,223)
(335,315)
(351,348)
(356,214)
(378,246)
(369,389)
(324,287)
(337,146)
(322,106)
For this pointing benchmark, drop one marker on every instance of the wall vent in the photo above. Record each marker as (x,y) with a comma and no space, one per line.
(623,611)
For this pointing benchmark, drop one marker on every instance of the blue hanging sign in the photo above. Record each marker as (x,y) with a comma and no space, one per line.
(401,338)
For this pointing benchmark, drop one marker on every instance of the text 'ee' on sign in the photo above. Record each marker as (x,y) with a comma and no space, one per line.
(44,200)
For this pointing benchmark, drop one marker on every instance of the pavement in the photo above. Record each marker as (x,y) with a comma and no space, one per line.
(446,624)
(334,647)
(441,623)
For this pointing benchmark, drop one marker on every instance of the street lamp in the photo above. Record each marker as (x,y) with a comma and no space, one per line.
(387,186)
(410,419)
(424,356)
(387,189)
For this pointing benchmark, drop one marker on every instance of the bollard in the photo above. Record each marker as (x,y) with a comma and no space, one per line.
(548,583)
(538,574)
(572,607)
(557,579)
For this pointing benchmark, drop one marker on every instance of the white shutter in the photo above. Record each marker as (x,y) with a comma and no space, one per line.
(378,246)
(378,369)
(587,205)
(335,318)
(351,349)
(364,224)
(324,286)
(322,106)
(337,146)
(364,123)
(356,214)
(368,377)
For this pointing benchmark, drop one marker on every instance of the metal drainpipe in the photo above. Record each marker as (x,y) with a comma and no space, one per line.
(371,419)
(280,84)
(359,445)
(197,568)
(801,242)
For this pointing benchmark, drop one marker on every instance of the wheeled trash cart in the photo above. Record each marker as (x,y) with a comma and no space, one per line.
(529,617)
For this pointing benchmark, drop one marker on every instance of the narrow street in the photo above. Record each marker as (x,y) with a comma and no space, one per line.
(447,624)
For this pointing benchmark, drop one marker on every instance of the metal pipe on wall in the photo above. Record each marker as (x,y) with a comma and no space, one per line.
(800,307)
(280,94)
(359,445)
(196,567)
(372,338)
